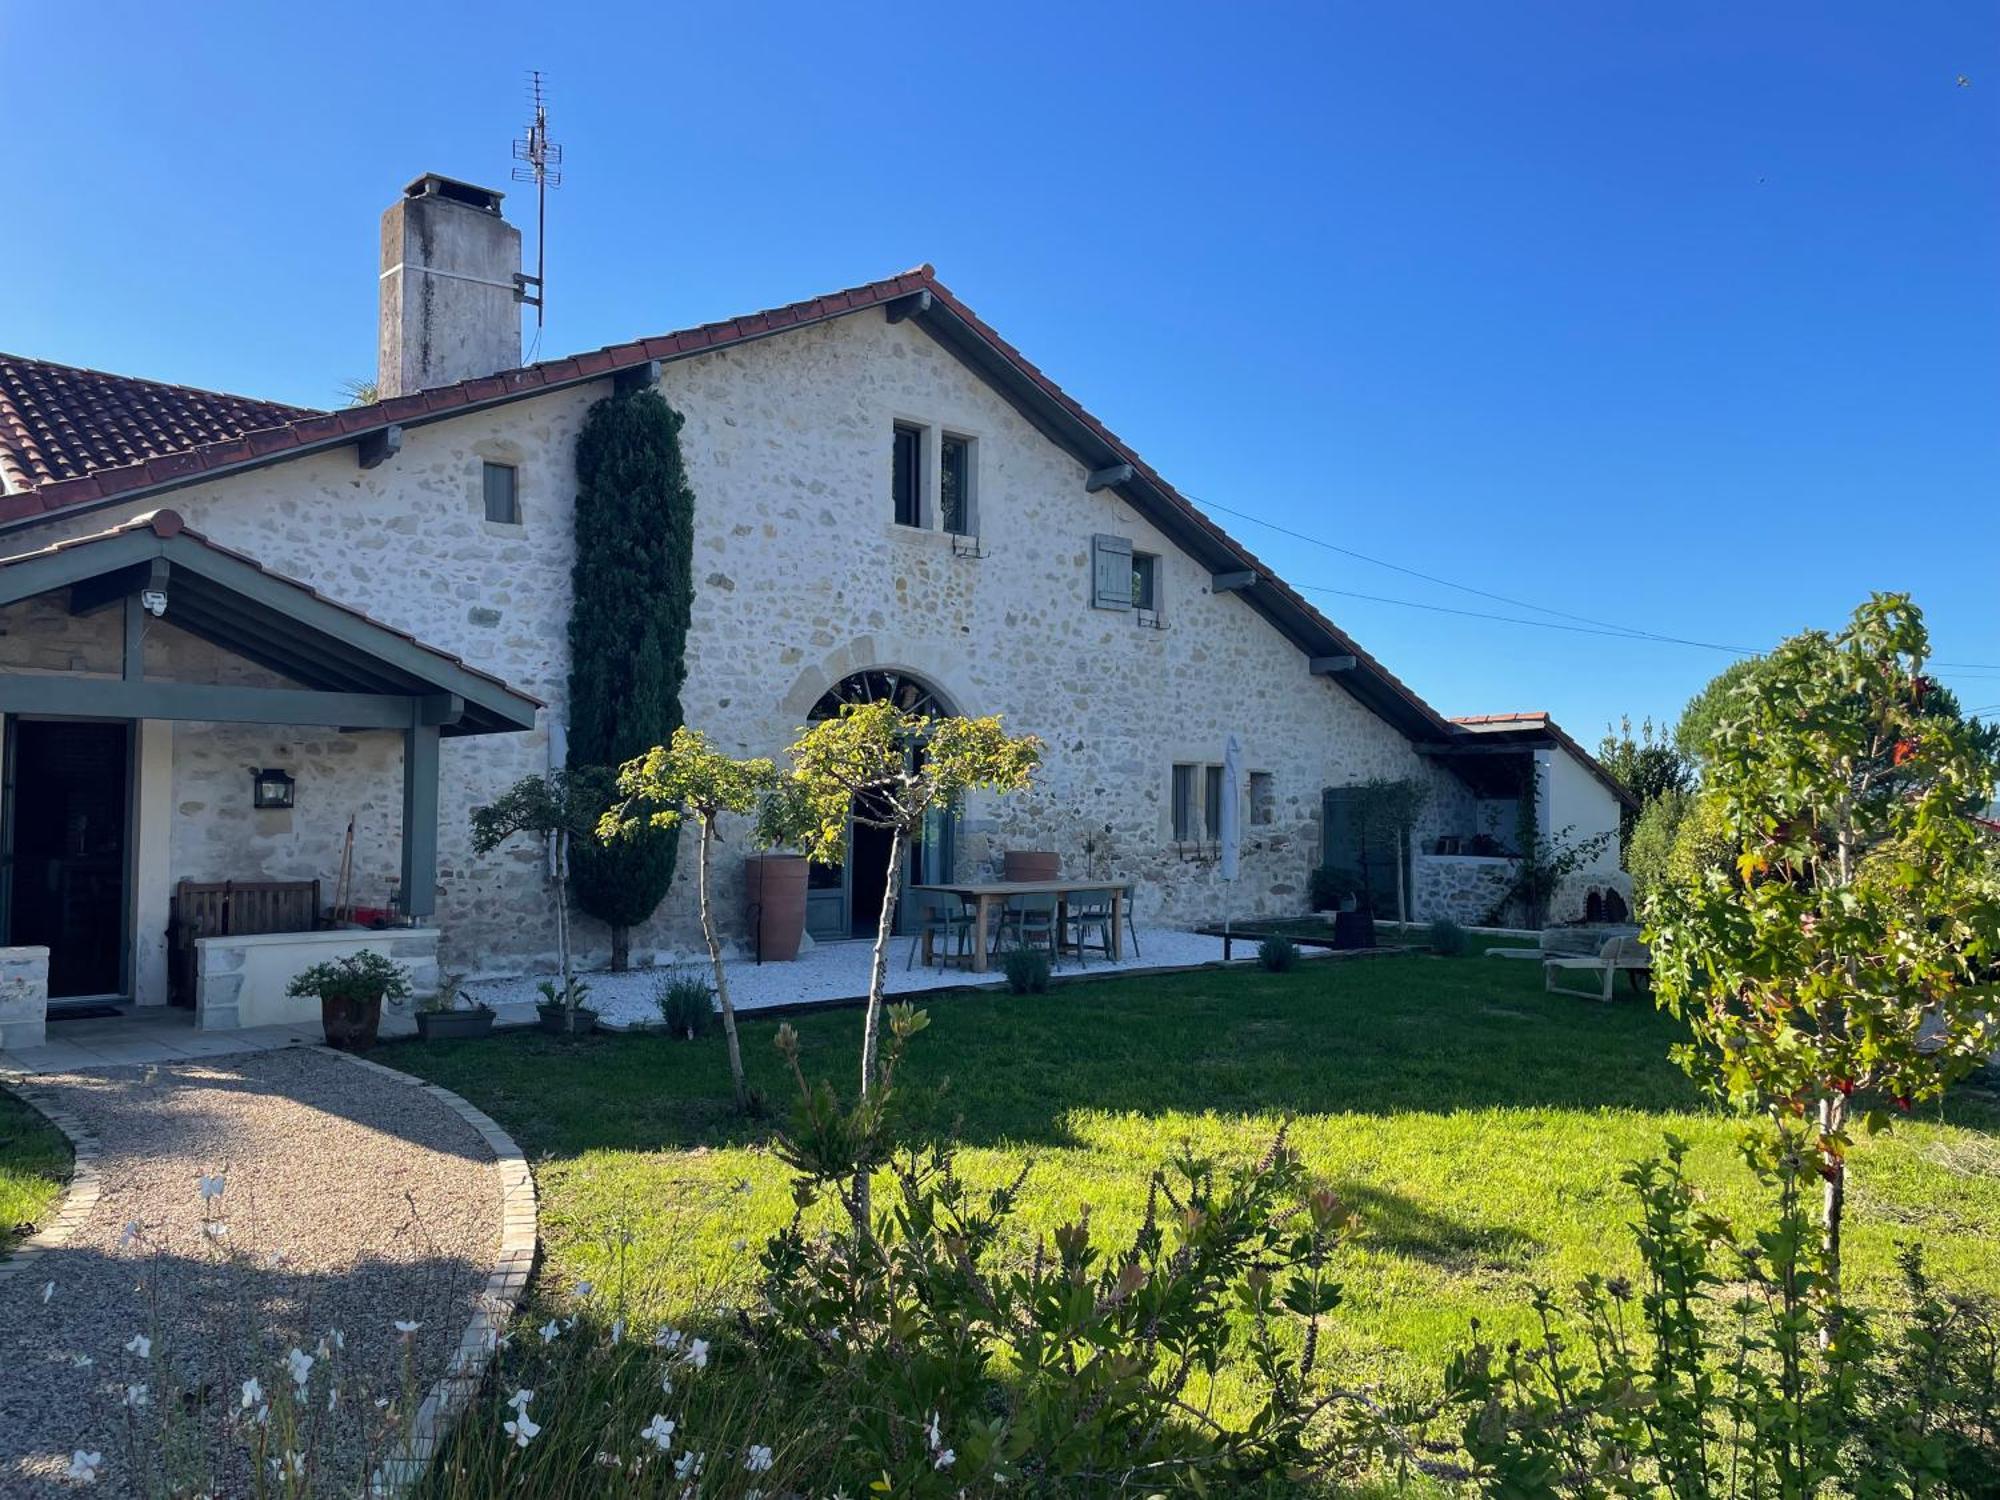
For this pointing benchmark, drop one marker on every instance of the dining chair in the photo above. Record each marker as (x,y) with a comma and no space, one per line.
(1089,911)
(941,916)
(1030,920)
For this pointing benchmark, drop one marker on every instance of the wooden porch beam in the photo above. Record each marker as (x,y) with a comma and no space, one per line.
(378,447)
(1326,666)
(914,305)
(638,377)
(1106,477)
(1233,583)
(119,698)
(420,819)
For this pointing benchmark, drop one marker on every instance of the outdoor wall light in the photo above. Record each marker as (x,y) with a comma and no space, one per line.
(153,601)
(273,789)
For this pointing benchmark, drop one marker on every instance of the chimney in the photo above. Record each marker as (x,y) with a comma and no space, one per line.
(451,290)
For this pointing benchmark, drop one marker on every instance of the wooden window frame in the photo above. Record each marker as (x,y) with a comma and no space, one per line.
(488,468)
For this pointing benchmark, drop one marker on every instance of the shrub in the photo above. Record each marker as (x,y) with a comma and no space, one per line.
(1027,971)
(1448,939)
(1278,954)
(686,1002)
(357,978)
(1326,889)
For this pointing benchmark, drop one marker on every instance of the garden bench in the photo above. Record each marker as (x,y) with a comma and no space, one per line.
(1624,955)
(231,908)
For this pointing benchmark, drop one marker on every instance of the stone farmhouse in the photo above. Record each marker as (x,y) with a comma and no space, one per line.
(231,631)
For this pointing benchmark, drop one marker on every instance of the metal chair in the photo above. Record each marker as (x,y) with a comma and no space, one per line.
(1089,910)
(1031,920)
(940,916)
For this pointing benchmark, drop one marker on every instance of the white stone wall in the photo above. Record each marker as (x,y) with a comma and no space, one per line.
(24,997)
(801,578)
(1575,800)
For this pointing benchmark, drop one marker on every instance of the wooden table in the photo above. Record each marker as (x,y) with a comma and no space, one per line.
(984,896)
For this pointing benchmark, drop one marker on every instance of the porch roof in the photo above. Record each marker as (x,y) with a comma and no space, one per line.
(352,671)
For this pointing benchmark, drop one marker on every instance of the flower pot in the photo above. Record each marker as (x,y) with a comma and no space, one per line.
(350,1024)
(774,887)
(448,1025)
(1030,864)
(555,1020)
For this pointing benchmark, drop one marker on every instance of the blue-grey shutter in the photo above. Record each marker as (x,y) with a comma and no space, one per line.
(1111,572)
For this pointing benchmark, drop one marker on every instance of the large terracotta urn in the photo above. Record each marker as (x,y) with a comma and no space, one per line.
(1030,864)
(774,887)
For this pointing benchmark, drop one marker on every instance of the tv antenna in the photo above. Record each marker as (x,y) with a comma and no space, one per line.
(541,164)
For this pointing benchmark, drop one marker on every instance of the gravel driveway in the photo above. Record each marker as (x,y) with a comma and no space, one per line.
(349,1201)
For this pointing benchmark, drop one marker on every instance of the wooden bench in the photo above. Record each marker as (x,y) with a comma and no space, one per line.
(1619,955)
(231,908)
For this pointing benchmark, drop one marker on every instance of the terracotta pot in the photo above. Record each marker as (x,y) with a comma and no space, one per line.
(1030,864)
(774,886)
(556,1020)
(350,1025)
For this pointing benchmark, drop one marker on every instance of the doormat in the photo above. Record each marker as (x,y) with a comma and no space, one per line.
(84,1013)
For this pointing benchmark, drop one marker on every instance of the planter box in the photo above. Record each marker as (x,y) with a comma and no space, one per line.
(774,888)
(1030,864)
(449,1025)
(555,1020)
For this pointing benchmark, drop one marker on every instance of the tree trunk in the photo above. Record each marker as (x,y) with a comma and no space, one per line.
(1833,1201)
(621,949)
(721,979)
(562,933)
(871,1034)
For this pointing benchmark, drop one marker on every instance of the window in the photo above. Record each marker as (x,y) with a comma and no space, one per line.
(1211,802)
(503,495)
(1186,808)
(1263,798)
(955,484)
(907,475)
(1145,581)
(1111,572)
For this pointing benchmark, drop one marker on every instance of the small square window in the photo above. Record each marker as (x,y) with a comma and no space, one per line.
(906,478)
(503,495)
(955,484)
(1145,581)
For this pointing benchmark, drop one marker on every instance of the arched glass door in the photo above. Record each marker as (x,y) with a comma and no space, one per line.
(846,901)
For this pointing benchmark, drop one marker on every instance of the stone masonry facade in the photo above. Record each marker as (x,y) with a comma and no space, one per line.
(801,577)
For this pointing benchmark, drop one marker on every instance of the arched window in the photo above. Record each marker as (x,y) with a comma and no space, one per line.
(911,694)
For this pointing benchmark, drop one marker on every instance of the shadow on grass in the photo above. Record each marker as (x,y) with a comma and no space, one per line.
(1384,1038)
(1399,1224)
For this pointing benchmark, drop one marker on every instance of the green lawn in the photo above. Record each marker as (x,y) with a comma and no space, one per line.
(1477,1125)
(34,1166)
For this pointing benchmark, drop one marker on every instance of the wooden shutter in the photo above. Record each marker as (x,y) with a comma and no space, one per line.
(1111,572)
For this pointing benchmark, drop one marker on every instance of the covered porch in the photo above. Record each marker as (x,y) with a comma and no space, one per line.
(151,682)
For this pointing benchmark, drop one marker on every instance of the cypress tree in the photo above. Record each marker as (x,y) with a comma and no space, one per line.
(630,590)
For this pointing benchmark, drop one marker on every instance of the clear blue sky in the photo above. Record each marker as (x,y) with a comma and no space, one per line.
(1678,316)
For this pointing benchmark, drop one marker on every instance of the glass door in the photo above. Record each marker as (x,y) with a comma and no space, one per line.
(66,851)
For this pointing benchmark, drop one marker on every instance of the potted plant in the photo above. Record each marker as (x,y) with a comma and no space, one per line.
(440,1017)
(562,1011)
(350,992)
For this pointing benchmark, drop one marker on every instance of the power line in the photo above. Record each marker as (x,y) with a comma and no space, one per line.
(1615,632)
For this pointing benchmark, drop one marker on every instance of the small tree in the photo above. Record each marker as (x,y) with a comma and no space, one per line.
(559,808)
(1847,960)
(885,768)
(690,778)
(1648,765)
(1386,812)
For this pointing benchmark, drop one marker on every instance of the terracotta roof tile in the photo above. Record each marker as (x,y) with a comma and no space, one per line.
(59,422)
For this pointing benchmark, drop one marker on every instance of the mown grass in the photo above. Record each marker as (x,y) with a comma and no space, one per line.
(34,1167)
(1477,1125)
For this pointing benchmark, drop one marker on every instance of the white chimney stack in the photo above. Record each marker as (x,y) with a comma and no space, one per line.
(451,287)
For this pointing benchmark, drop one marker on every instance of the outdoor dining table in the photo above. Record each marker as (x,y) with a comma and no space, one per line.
(986,896)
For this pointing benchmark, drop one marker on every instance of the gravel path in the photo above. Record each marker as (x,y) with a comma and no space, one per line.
(350,1200)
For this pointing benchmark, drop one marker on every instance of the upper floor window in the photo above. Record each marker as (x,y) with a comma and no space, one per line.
(503,494)
(955,484)
(907,475)
(1197,803)
(1145,581)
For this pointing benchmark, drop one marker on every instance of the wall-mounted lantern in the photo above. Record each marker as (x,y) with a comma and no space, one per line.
(273,789)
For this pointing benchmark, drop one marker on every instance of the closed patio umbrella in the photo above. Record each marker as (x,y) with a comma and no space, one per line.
(1228,831)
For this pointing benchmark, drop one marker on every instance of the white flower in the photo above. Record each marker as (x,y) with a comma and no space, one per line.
(945,1460)
(253,1392)
(137,1397)
(697,1354)
(292,1459)
(551,1331)
(215,1229)
(407,1326)
(211,1187)
(131,1232)
(82,1361)
(520,1398)
(83,1466)
(522,1429)
(659,1432)
(739,1244)
(688,1465)
(757,1458)
(301,1364)
(666,1385)
(140,1345)
(583,1290)
(48,1292)
(932,1436)
(617,1332)
(667,1338)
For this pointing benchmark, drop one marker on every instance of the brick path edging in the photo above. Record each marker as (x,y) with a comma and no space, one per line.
(79,1199)
(506,1285)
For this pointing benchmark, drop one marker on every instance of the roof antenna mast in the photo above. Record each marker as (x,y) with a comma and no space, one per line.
(541,164)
